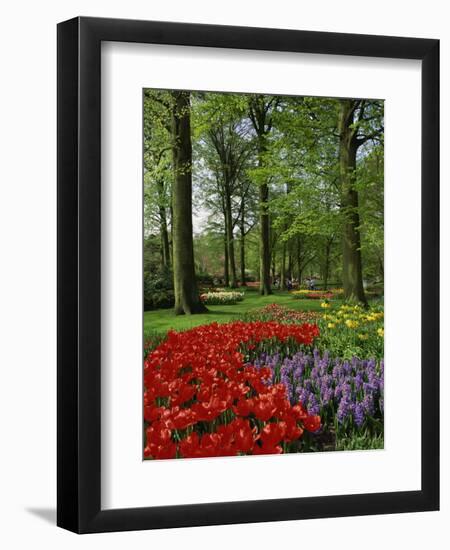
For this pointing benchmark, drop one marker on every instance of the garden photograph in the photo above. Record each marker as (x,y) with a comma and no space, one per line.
(263,274)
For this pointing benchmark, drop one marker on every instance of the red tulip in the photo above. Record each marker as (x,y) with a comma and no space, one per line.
(194,377)
(312,423)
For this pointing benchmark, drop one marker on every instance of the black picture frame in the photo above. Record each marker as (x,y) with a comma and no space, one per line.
(79,281)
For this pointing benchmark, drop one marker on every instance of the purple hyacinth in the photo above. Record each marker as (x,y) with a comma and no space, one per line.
(302,395)
(358,381)
(326,395)
(344,410)
(358,414)
(368,404)
(351,388)
(347,368)
(313,405)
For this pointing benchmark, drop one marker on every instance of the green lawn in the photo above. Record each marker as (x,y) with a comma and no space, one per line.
(162,320)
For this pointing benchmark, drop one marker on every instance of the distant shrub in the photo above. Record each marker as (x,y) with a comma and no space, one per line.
(205,279)
(158,290)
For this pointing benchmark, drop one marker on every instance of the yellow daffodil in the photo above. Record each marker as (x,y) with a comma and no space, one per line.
(331,325)
(380,332)
(324,304)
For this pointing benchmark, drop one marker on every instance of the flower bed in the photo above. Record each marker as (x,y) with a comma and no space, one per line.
(314,294)
(222,298)
(348,395)
(353,331)
(204,398)
(281,314)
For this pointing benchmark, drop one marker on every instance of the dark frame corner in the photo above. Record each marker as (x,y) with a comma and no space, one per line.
(79,328)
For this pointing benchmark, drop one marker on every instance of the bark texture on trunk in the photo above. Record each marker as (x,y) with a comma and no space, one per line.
(298,253)
(242,248)
(262,123)
(274,265)
(230,240)
(264,246)
(165,247)
(226,270)
(351,238)
(326,267)
(187,299)
(264,227)
(283,268)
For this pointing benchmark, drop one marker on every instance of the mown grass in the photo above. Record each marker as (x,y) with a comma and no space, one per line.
(161,320)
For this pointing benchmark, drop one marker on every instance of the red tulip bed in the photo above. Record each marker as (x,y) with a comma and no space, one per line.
(204,397)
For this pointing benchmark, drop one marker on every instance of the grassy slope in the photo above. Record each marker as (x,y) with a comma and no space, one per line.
(163,319)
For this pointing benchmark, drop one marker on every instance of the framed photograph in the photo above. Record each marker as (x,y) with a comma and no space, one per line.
(248,275)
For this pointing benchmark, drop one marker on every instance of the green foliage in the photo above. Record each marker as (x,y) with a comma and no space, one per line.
(205,279)
(360,442)
(158,290)
(158,169)
(291,144)
(370,178)
(349,331)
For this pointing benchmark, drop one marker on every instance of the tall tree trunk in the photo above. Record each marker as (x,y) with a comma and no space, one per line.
(230,239)
(381,266)
(286,252)
(242,248)
(171,230)
(187,299)
(259,109)
(274,264)
(226,262)
(165,249)
(283,268)
(326,269)
(298,254)
(289,269)
(264,230)
(226,271)
(351,239)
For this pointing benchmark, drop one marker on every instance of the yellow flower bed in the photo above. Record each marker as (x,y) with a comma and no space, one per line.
(353,329)
(305,291)
(356,317)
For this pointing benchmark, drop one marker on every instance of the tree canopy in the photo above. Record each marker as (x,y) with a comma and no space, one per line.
(265,189)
